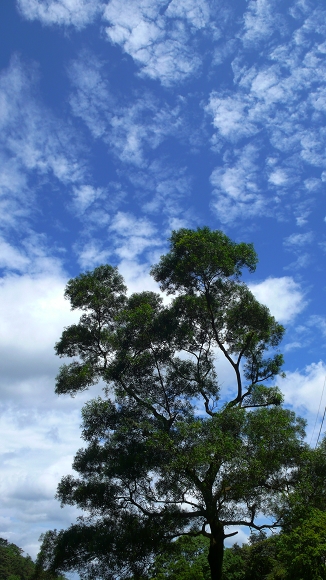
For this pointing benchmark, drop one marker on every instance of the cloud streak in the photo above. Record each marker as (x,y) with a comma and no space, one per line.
(129,129)
(78,13)
(33,145)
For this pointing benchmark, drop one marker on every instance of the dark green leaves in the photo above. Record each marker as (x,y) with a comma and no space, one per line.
(75,377)
(102,290)
(197,259)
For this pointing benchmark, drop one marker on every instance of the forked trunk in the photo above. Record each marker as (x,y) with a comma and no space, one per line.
(216,550)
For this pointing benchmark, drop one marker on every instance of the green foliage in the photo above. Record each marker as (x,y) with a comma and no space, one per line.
(234,563)
(200,260)
(100,295)
(166,452)
(303,550)
(15,566)
(296,555)
(310,491)
(186,559)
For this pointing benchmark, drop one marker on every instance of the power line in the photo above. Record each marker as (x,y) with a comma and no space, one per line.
(322,419)
(321,398)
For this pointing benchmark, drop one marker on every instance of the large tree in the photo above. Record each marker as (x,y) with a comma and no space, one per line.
(171,451)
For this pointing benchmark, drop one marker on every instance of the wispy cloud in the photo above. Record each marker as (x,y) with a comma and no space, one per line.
(128,239)
(92,254)
(91,98)
(133,130)
(162,189)
(32,142)
(299,240)
(161,36)
(266,102)
(231,116)
(11,257)
(76,13)
(317,321)
(84,196)
(133,235)
(261,19)
(236,188)
(298,243)
(40,156)
(128,128)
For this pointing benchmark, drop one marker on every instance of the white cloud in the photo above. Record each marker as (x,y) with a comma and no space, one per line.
(298,240)
(128,238)
(30,256)
(40,429)
(137,278)
(84,196)
(91,99)
(76,13)
(317,321)
(260,20)
(141,126)
(242,536)
(33,312)
(231,116)
(303,261)
(302,390)
(312,184)
(278,177)
(283,296)
(236,188)
(93,254)
(158,35)
(27,495)
(33,146)
(163,189)
(292,346)
(133,236)
(266,106)
(129,129)
(11,258)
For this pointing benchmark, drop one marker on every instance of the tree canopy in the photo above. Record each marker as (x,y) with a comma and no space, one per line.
(169,451)
(296,554)
(15,566)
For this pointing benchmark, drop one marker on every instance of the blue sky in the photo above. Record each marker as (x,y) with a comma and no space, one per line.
(121,121)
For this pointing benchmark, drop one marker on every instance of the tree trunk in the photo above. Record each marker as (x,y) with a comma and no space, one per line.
(216,550)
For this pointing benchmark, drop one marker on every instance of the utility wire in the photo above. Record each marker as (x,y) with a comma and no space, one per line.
(321,398)
(321,422)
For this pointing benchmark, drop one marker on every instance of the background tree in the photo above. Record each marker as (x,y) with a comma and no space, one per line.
(309,493)
(302,551)
(301,546)
(299,553)
(15,566)
(168,453)
(186,559)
